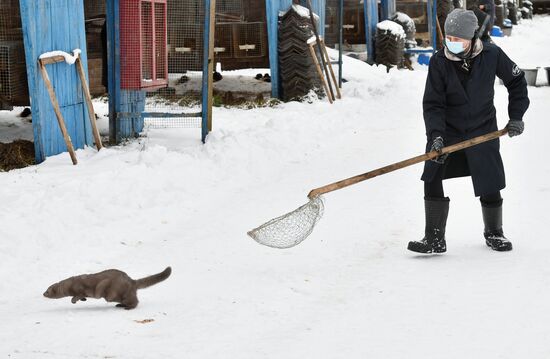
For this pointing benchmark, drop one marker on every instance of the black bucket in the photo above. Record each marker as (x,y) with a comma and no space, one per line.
(531,76)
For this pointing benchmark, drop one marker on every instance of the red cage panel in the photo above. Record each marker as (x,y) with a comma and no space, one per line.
(143,44)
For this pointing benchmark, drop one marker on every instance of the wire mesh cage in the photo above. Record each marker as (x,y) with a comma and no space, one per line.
(223,41)
(229,9)
(95,13)
(94,8)
(143,44)
(13,73)
(240,42)
(242,29)
(353,26)
(185,35)
(178,104)
(250,39)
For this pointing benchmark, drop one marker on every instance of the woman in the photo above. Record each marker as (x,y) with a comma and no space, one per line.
(458,105)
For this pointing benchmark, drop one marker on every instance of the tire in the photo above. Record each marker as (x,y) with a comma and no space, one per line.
(408,26)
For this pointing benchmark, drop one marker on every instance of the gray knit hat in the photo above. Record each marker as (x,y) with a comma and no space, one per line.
(461,23)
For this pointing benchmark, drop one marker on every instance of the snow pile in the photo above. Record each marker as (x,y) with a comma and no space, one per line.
(392,27)
(13,127)
(534,54)
(69,59)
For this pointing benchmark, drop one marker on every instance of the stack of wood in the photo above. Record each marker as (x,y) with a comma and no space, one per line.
(298,74)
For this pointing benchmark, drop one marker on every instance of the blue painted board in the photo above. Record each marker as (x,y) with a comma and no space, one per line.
(387,8)
(205,71)
(371,20)
(272,11)
(50,25)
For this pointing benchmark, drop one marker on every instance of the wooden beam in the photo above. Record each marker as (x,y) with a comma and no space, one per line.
(329,64)
(52,59)
(319,72)
(91,112)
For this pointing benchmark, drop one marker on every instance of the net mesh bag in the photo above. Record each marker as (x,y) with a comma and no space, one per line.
(292,228)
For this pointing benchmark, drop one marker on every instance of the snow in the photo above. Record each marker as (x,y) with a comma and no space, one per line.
(237,81)
(403,18)
(393,27)
(536,54)
(70,59)
(14,127)
(351,290)
(300,10)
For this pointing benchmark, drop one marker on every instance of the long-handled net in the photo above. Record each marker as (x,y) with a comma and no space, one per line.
(292,228)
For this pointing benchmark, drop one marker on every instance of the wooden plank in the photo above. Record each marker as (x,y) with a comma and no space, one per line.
(208,67)
(319,72)
(91,112)
(52,59)
(329,64)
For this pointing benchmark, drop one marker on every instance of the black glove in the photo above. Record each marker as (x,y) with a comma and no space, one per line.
(515,127)
(437,145)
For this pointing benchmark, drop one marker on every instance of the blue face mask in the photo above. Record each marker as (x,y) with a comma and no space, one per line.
(454,47)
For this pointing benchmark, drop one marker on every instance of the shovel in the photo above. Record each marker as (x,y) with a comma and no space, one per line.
(292,228)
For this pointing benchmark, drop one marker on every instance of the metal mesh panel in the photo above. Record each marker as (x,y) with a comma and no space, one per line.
(147,41)
(240,42)
(353,26)
(241,32)
(185,32)
(94,8)
(173,122)
(142,38)
(185,35)
(160,34)
(223,41)
(229,8)
(250,39)
(96,45)
(13,72)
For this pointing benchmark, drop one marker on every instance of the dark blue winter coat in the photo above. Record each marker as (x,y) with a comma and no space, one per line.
(459,112)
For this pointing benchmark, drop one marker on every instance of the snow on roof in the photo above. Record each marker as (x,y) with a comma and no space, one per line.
(402,17)
(300,10)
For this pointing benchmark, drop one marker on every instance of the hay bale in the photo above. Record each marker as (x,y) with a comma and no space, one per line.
(17,154)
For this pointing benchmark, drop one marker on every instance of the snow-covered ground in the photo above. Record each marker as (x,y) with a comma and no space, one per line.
(351,290)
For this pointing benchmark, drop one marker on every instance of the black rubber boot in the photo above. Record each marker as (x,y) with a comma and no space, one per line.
(494,236)
(437,210)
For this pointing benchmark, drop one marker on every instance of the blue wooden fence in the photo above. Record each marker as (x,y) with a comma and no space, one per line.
(50,25)
(371,19)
